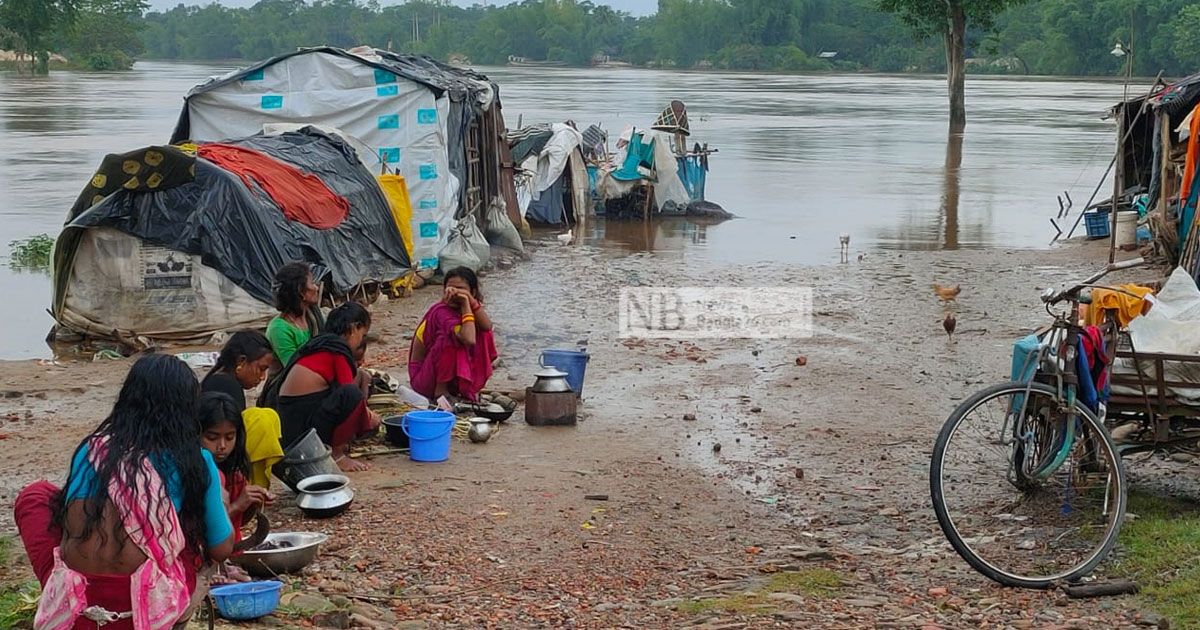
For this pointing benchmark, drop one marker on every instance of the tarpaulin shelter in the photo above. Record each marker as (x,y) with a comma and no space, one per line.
(554,187)
(176,243)
(438,126)
(646,161)
(1157,166)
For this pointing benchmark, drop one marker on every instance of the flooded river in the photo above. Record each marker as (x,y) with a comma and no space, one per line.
(802,158)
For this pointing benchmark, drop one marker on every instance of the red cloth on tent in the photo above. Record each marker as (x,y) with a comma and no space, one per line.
(303,196)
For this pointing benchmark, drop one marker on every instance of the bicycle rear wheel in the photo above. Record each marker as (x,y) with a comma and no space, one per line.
(1010,514)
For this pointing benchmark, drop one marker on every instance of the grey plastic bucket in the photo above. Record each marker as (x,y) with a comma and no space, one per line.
(307,458)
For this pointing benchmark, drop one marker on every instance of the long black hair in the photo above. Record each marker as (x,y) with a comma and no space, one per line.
(248,344)
(342,318)
(154,418)
(290,282)
(218,407)
(467,276)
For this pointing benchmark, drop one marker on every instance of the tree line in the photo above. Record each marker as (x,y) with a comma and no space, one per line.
(1062,37)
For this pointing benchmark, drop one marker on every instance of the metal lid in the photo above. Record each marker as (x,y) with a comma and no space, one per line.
(550,372)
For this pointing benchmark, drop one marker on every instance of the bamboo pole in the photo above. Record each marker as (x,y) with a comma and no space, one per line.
(1123,138)
(1118,184)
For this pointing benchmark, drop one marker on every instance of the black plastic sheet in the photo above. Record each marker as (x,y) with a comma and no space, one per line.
(241,232)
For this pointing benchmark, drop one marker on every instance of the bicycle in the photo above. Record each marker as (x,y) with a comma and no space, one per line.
(1034,497)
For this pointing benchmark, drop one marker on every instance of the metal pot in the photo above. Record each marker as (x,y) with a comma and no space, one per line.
(322,496)
(481,430)
(551,380)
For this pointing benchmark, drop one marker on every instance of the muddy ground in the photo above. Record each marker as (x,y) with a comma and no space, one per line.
(814,513)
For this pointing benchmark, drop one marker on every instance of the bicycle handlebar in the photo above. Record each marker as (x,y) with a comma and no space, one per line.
(1050,296)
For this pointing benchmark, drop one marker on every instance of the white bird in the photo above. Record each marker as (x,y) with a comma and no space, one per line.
(566,239)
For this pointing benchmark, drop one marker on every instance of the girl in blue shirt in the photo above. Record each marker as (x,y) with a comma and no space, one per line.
(81,530)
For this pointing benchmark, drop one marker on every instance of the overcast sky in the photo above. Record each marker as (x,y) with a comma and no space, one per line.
(636,7)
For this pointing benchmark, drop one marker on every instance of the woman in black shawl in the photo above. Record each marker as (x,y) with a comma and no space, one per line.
(320,389)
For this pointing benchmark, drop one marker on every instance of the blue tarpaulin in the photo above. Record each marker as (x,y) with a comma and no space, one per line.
(638,154)
(548,208)
(693,174)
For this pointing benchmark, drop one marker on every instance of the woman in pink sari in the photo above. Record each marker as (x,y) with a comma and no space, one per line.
(453,349)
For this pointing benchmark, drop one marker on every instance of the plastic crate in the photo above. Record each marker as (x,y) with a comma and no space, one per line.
(1096,224)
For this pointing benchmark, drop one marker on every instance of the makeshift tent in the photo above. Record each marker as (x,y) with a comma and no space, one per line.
(1157,170)
(438,126)
(165,244)
(644,159)
(554,188)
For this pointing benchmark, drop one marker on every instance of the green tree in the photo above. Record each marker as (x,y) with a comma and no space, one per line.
(1185,29)
(36,22)
(106,34)
(948,19)
(1071,37)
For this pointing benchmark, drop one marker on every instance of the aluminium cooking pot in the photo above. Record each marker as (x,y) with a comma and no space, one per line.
(323,496)
(551,380)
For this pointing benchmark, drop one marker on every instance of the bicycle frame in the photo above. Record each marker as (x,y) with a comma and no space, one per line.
(1055,358)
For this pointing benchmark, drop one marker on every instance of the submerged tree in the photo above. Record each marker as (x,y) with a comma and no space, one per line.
(948,19)
(35,22)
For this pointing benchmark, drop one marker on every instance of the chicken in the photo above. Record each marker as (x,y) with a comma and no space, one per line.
(567,238)
(949,323)
(947,294)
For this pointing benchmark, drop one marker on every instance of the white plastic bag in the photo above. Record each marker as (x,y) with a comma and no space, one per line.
(458,253)
(475,238)
(498,229)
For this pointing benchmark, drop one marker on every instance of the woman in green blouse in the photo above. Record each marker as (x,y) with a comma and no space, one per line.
(296,296)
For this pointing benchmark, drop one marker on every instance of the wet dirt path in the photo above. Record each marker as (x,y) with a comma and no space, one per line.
(814,512)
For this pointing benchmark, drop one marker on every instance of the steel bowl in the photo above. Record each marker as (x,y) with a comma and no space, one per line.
(323,496)
(273,562)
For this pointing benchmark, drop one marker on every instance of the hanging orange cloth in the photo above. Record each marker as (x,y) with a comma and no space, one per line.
(1125,306)
(303,197)
(1193,154)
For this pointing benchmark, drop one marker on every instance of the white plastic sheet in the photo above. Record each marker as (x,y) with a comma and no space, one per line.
(120,283)
(553,159)
(400,120)
(1172,326)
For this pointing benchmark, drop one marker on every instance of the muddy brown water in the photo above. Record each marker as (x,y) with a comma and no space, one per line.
(802,158)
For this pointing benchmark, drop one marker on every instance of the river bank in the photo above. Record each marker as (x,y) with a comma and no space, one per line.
(813,511)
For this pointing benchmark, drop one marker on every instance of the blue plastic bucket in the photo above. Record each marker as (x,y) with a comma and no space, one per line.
(428,435)
(572,362)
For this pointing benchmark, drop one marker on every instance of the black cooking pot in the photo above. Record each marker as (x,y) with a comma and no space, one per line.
(395,435)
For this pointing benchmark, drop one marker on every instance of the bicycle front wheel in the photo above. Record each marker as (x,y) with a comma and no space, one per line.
(1028,492)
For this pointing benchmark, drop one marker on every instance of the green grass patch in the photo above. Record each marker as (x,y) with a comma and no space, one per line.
(1160,550)
(18,603)
(737,604)
(812,582)
(817,583)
